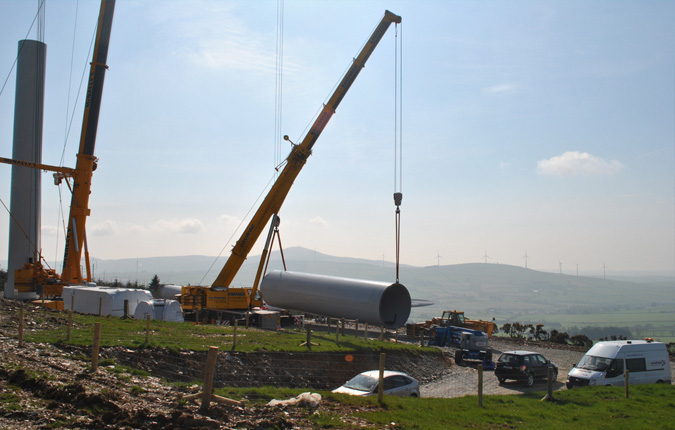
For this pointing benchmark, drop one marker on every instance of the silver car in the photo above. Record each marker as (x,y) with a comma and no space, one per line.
(395,384)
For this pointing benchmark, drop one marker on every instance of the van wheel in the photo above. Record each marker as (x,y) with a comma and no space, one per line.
(530,380)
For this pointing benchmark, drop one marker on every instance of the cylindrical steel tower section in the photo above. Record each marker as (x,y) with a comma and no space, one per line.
(25,198)
(376,303)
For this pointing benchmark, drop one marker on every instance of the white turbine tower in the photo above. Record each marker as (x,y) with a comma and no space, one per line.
(438,258)
(526,258)
(604,270)
(486,256)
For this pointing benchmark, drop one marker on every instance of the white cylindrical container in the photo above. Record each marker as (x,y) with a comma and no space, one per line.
(372,302)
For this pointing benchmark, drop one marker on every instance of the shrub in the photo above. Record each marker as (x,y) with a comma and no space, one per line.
(558,337)
(581,340)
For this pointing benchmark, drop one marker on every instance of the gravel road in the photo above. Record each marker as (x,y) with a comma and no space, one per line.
(457,381)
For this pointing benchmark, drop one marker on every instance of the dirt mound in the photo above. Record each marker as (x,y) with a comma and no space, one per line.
(52,386)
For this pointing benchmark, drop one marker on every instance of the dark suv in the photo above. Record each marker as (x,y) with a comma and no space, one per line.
(523,366)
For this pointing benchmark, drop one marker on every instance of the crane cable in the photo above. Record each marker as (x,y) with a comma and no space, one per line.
(278,99)
(398,140)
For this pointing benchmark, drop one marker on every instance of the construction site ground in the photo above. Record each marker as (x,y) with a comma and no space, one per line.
(51,386)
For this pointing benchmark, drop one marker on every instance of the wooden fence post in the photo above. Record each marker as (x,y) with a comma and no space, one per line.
(126,308)
(100,305)
(72,302)
(480,385)
(70,324)
(234,335)
(549,385)
(147,329)
(208,377)
(97,343)
(247,317)
(21,317)
(337,331)
(342,322)
(627,381)
(380,385)
(309,336)
(365,331)
(422,338)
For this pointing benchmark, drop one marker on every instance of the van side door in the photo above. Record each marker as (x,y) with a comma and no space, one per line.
(638,370)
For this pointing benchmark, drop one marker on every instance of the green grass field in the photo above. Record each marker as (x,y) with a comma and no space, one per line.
(648,407)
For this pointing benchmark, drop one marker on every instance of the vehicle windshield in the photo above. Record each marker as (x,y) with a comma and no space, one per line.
(590,362)
(513,360)
(361,383)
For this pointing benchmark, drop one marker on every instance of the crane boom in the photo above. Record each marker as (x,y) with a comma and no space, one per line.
(297,159)
(86,162)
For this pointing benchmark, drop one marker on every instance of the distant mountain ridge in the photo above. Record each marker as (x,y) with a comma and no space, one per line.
(482,290)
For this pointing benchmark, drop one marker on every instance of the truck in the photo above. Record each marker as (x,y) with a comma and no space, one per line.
(221,299)
(606,363)
(471,344)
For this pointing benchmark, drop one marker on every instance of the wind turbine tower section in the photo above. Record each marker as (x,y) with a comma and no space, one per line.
(24,224)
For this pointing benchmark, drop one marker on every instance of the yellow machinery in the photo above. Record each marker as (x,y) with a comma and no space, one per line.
(220,296)
(33,277)
(456,318)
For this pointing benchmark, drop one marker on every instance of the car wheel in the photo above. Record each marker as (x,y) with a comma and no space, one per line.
(529,381)
(458,357)
(501,380)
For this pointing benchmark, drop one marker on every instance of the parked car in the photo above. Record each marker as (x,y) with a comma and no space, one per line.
(395,384)
(524,366)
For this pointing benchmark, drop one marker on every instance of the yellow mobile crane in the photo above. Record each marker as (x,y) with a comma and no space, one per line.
(33,277)
(220,296)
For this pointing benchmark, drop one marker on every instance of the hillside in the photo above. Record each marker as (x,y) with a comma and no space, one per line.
(486,291)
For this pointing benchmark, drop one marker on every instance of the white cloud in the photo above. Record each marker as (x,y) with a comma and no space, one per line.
(229,219)
(317,220)
(212,35)
(501,89)
(107,228)
(183,226)
(49,230)
(575,163)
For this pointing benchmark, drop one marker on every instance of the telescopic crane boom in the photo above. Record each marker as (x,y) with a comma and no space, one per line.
(297,159)
(29,276)
(86,162)
(220,296)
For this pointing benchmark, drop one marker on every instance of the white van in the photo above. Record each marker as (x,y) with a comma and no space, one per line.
(604,364)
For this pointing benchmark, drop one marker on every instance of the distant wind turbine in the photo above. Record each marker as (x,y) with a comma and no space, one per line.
(438,258)
(560,264)
(486,256)
(604,270)
(526,258)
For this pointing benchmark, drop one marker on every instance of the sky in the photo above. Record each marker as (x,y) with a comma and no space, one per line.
(531,132)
